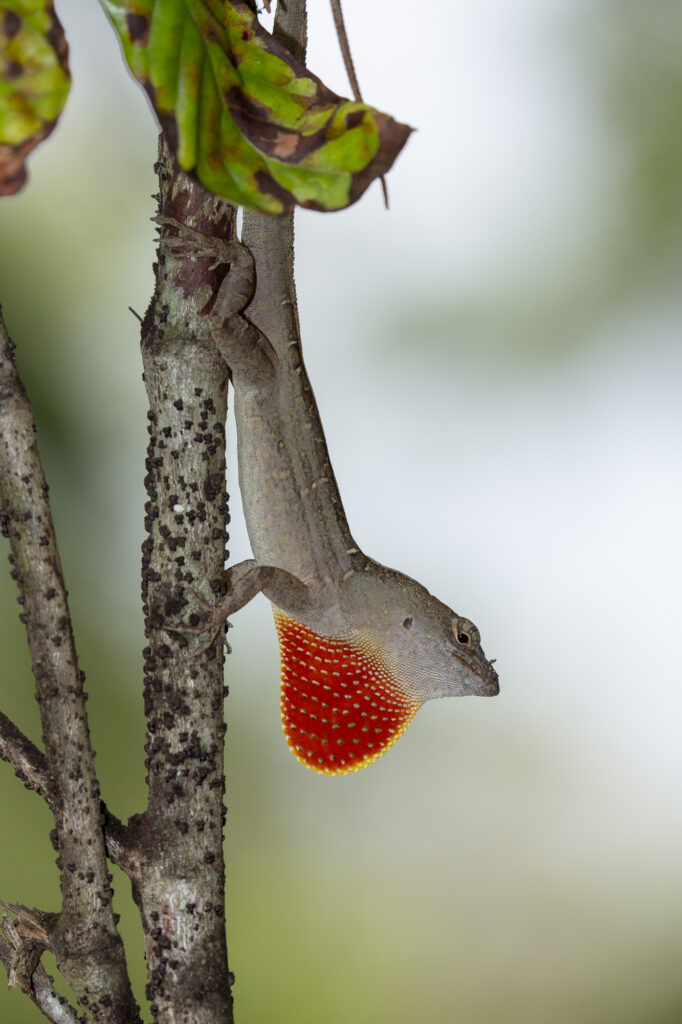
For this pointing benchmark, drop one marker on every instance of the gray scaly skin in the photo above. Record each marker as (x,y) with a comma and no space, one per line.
(306,561)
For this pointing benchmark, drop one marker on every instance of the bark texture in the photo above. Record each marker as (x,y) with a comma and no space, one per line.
(179,838)
(83,936)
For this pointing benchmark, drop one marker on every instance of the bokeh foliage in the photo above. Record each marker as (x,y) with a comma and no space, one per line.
(34,83)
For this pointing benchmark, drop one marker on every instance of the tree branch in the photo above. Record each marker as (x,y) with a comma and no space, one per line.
(180,881)
(30,767)
(85,942)
(29,763)
(40,989)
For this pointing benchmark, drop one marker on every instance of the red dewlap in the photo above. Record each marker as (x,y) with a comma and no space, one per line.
(340,707)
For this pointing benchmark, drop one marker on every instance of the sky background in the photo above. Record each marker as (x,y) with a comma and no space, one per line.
(497,364)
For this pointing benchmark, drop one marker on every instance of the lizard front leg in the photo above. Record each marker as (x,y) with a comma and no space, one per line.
(244,581)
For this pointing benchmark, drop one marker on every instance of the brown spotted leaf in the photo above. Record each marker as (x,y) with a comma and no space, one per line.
(34,83)
(246,118)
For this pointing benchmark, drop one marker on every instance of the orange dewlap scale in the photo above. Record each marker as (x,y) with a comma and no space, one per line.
(340,707)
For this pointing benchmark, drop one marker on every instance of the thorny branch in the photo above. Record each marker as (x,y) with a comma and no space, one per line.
(84,939)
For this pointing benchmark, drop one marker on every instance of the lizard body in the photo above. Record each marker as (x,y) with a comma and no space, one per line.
(362,646)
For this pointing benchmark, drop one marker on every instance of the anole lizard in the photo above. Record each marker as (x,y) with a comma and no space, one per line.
(362,646)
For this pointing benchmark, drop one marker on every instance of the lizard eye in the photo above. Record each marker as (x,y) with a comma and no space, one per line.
(408,623)
(463,634)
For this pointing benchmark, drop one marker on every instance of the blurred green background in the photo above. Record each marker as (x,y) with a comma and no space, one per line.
(497,361)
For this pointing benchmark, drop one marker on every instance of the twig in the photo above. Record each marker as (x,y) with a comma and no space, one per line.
(344,44)
(30,767)
(342,36)
(100,981)
(29,763)
(54,1006)
(40,991)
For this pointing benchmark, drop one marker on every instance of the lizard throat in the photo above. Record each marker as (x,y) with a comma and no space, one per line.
(341,709)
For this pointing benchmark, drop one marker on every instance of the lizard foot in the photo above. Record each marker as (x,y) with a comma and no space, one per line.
(237,289)
(191,242)
(217,618)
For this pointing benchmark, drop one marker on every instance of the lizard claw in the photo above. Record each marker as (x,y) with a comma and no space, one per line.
(206,605)
(191,242)
(217,619)
(236,290)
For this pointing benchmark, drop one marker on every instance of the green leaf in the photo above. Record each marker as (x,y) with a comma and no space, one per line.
(34,83)
(243,116)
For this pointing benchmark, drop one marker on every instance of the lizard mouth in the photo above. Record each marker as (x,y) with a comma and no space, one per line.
(489,678)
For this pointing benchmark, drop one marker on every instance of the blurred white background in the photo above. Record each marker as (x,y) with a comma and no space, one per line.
(497,364)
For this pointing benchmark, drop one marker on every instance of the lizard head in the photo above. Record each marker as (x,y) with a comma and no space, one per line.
(429,649)
(440,653)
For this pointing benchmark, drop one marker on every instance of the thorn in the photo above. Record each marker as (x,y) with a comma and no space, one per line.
(135,313)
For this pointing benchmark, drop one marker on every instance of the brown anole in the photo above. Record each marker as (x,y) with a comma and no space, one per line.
(362,646)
